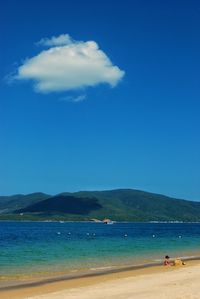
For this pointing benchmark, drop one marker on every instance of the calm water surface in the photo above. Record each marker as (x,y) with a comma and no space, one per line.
(28,248)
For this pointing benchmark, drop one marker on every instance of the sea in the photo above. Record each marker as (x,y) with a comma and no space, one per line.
(41,249)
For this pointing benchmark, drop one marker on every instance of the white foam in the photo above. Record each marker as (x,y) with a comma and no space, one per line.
(101,268)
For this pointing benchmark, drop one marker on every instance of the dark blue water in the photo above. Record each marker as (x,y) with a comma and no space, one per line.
(28,248)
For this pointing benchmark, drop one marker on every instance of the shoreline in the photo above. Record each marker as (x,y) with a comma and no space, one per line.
(78,275)
(64,282)
(100,222)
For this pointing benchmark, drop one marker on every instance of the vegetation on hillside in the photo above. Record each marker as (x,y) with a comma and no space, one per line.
(118,205)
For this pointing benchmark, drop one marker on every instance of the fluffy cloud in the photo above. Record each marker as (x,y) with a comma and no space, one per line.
(61,40)
(69,65)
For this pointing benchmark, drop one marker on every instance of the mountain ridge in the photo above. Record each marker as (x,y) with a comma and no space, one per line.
(117,204)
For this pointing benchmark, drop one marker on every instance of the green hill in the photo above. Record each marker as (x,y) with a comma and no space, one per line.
(11,203)
(63,204)
(119,205)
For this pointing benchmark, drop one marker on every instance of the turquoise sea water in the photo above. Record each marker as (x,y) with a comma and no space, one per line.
(43,248)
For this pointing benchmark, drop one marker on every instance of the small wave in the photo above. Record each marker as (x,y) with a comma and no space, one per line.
(180,257)
(73,271)
(101,268)
(189,257)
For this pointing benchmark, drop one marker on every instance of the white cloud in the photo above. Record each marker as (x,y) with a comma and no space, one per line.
(69,65)
(76,99)
(61,40)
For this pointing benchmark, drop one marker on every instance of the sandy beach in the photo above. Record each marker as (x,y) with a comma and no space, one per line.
(154,282)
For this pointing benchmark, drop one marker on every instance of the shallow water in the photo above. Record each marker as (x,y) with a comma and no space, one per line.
(43,248)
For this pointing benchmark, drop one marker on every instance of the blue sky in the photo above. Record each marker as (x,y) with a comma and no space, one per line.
(129,121)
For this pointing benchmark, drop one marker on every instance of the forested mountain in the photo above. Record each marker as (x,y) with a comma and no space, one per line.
(119,205)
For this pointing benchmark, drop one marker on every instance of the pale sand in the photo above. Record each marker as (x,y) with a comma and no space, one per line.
(157,282)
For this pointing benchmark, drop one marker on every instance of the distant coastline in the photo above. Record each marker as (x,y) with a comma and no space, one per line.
(114,205)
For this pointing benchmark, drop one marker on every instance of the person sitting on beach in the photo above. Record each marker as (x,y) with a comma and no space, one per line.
(176,262)
(167,261)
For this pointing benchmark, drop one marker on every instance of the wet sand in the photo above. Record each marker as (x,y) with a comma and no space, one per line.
(146,282)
